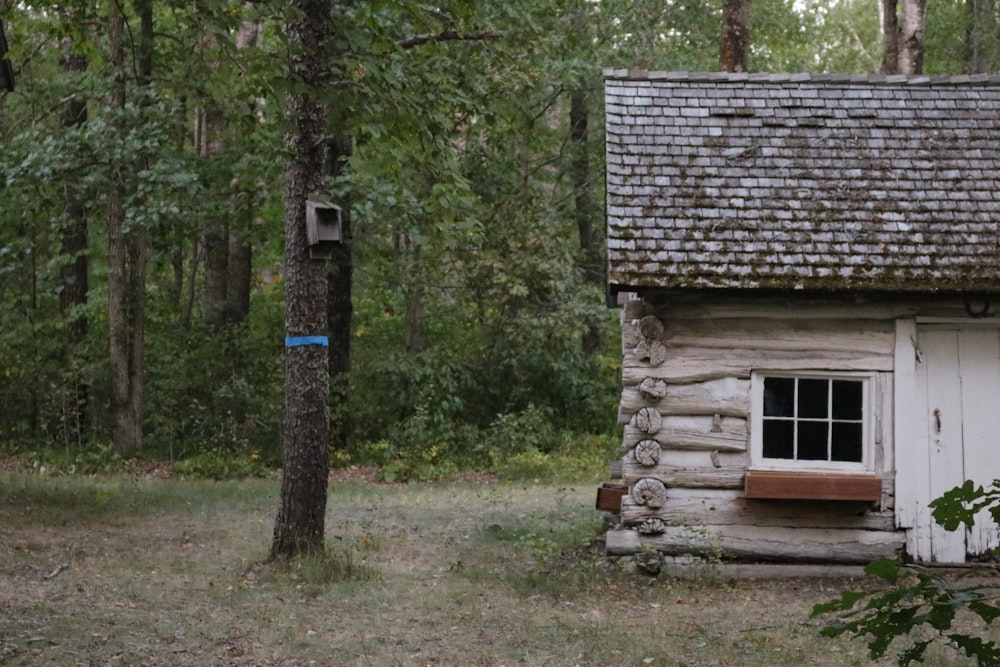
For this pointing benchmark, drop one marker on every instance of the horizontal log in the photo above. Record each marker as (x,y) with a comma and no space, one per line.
(729,397)
(695,433)
(685,365)
(875,337)
(720,510)
(709,477)
(815,545)
(718,307)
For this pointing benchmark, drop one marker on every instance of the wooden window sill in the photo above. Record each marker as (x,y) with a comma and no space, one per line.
(794,485)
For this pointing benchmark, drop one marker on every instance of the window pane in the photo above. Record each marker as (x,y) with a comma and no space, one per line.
(813,398)
(846,442)
(778,443)
(779,397)
(813,438)
(847,399)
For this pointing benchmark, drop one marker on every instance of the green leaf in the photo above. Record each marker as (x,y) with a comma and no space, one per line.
(985,611)
(987,654)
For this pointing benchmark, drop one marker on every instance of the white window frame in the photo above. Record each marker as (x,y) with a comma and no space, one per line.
(758,462)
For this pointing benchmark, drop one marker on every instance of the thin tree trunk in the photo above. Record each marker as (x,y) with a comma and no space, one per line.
(583,206)
(126,250)
(240,280)
(126,433)
(980,35)
(74,275)
(890,37)
(911,37)
(300,524)
(414,321)
(209,125)
(735,43)
(339,307)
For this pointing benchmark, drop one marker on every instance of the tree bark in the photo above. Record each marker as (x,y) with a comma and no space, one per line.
(209,125)
(228,254)
(126,258)
(980,35)
(339,307)
(735,42)
(903,36)
(890,37)
(300,524)
(583,207)
(240,279)
(74,274)
(911,44)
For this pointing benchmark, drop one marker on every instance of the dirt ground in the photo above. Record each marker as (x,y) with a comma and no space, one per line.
(145,570)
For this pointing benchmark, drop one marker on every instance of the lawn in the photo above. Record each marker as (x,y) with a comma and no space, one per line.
(136,571)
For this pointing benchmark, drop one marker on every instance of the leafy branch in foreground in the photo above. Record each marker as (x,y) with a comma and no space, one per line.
(912,598)
(920,606)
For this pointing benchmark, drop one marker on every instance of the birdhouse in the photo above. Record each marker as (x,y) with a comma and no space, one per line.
(324,227)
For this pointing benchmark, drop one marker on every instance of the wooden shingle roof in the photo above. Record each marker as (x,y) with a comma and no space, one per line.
(819,182)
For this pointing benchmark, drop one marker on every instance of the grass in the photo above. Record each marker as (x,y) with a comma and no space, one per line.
(118,571)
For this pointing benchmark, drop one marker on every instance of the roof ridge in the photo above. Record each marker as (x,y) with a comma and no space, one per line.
(801,77)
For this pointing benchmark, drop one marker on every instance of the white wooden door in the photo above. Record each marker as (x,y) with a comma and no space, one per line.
(958,391)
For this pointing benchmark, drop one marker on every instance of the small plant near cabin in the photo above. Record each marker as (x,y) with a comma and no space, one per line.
(921,607)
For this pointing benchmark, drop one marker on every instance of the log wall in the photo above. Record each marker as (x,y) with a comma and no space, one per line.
(685,413)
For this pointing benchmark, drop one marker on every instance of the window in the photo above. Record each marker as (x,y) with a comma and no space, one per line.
(810,421)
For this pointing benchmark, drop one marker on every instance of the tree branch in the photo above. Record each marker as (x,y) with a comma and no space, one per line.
(449,36)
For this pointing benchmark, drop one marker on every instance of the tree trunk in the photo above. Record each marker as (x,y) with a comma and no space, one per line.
(209,125)
(339,307)
(583,206)
(74,275)
(735,47)
(414,320)
(903,36)
(980,35)
(911,37)
(126,267)
(228,254)
(890,37)
(300,523)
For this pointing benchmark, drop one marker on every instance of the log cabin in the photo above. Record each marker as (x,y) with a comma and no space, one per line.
(808,270)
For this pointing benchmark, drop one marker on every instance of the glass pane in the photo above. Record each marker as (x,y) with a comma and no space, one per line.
(813,398)
(779,397)
(778,443)
(812,441)
(846,444)
(847,399)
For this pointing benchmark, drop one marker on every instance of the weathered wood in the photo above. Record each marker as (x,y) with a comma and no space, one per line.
(815,545)
(728,434)
(726,508)
(651,389)
(724,477)
(649,492)
(729,397)
(684,365)
(647,420)
(609,497)
(669,307)
(786,484)
(651,327)
(647,452)
(868,336)
(651,352)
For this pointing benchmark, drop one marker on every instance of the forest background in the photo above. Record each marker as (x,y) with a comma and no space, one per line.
(141,244)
